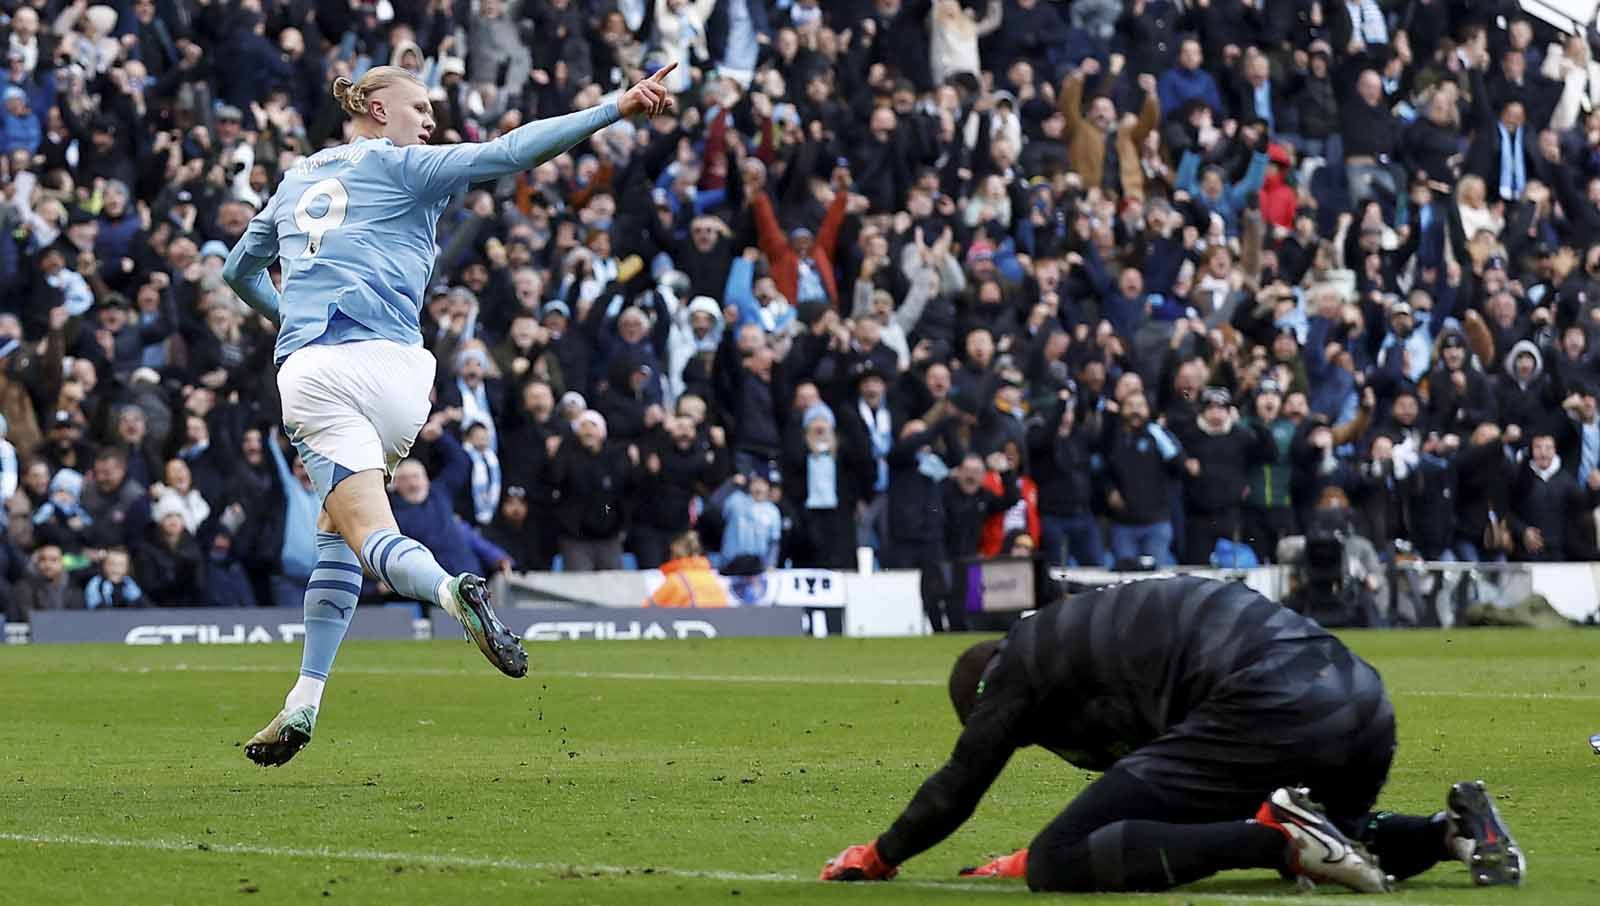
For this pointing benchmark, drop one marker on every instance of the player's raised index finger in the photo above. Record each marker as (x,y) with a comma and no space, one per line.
(661,73)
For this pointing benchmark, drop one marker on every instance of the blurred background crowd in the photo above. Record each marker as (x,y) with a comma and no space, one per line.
(1118,281)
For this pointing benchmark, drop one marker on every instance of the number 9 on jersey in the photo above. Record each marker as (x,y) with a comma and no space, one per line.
(317,225)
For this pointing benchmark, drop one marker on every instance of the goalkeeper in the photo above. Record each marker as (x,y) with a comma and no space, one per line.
(1232,733)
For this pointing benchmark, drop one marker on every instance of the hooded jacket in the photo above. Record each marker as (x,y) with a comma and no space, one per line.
(1277,199)
(682,346)
(1526,404)
(619,403)
(1458,412)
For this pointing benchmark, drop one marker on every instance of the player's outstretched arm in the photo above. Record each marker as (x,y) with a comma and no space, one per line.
(438,170)
(245,271)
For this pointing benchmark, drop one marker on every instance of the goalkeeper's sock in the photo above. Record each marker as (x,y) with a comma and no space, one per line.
(404,565)
(1408,845)
(330,604)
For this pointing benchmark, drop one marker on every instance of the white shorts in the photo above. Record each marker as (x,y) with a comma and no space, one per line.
(352,407)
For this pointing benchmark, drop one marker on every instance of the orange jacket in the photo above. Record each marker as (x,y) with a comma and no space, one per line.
(785,263)
(689,582)
(994,528)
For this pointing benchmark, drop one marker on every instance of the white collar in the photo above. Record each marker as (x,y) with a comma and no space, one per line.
(1547,474)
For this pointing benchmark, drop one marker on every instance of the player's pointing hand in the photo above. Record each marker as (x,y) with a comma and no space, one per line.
(648,97)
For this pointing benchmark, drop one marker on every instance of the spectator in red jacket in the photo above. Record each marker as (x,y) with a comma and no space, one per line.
(802,262)
(1021,518)
(1277,196)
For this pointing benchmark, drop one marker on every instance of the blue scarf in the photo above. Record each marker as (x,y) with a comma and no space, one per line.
(1367,17)
(153,355)
(475,409)
(878,428)
(931,466)
(810,288)
(102,592)
(51,509)
(485,483)
(822,482)
(1513,167)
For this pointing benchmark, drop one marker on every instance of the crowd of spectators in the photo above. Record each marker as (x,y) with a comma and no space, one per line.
(1118,281)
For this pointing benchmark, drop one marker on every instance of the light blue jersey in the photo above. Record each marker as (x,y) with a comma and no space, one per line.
(354,228)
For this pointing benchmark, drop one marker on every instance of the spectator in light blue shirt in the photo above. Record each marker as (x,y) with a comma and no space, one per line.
(301,505)
(112,586)
(753,524)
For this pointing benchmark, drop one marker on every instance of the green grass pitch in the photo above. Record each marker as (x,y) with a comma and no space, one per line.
(660,772)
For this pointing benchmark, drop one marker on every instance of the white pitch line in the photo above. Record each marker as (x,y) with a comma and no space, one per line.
(760,680)
(563,868)
(559,674)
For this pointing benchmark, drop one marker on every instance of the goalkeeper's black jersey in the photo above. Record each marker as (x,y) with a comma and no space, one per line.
(1097,675)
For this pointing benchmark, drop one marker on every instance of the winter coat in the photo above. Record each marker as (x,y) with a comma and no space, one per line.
(1061,466)
(34,593)
(1179,86)
(1226,457)
(1269,478)
(1141,467)
(682,345)
(953,38)
(119,517)
(227,584)
(966,514)
(1525,404)
(19,133)
(1086,145)
(1547,501)
(493,41)
(665,496)
(784,261)
(916,500)
(171,576)
(621,406)
(520,541)
(1278,200)
(591,490)
(1458,413)
(1022,515)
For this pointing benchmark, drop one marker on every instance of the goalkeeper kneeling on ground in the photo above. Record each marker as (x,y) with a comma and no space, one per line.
(1232,732)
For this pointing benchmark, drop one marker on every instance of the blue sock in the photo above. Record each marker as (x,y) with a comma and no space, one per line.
(330,603)
(403,565)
